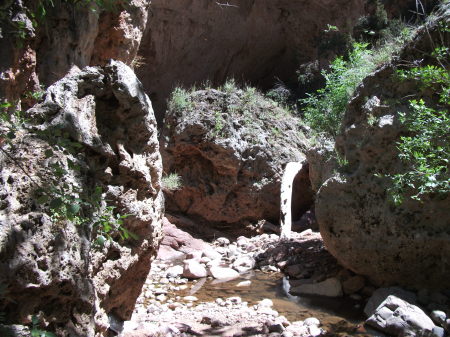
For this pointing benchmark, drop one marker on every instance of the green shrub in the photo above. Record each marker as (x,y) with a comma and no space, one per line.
(426,148)
(179,100)
(324,110)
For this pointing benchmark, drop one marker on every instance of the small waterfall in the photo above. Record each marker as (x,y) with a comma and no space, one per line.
(287,182)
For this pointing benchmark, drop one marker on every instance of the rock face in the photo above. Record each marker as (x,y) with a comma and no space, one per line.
(52,266)
(229,148)
(407,244)
(67,35)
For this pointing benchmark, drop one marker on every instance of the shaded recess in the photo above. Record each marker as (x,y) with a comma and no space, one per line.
(260,42)
(302,194)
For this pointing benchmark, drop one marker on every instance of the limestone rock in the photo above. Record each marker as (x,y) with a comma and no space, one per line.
(230,162)
(380,295)
(193,269)
(399,318)
(330,287)
(222,273)
(408,244)
(43,262)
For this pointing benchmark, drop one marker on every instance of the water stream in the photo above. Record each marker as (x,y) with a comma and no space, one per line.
(343,316)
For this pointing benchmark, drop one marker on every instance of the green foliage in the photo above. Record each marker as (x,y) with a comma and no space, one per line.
(426,149)
(179,100)
(10,122)
(324,110)
(229,86)
(279,94)
(171,182)
(107,226)
(36,331)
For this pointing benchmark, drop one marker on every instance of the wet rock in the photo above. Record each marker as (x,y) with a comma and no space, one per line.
(438,332)
(314,331)
(330,287)
(396,317)
(244,264)
(275,327)
(221,273)
(294,270)
(381,294)
(244,283)
(222,241)
(193,269)
(265,303)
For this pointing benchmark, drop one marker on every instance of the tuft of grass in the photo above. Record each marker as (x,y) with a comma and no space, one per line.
(179,100)
(171,182)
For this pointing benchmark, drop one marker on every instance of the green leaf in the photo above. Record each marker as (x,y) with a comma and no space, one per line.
(56,203)
(74,208)
(48,153)
(42,199)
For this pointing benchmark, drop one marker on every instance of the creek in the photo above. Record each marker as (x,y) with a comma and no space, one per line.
(339,316)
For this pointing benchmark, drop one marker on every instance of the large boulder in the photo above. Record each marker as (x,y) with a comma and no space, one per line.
(48,263)
(229,147)
(407,244)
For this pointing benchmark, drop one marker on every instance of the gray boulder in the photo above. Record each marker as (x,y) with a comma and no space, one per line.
(380,295)
(399,318)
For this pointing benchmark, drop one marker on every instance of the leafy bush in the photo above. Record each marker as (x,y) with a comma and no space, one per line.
(324,110)
(426,149)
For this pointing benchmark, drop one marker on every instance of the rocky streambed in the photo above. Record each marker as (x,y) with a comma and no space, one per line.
(254,286)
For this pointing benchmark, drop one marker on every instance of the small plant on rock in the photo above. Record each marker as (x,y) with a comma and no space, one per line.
(171,182)
(179,100)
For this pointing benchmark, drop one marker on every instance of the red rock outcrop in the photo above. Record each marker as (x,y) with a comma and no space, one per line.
(35,55)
